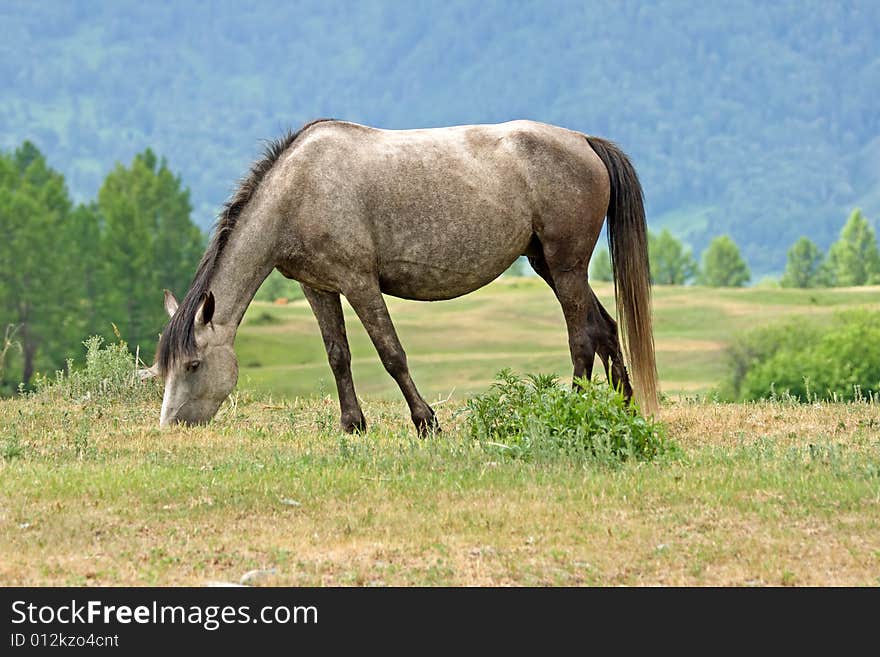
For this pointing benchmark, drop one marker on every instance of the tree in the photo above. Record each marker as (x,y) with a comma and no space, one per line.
(600,269)
(148,243)
(671,264)
(86,226)
(803,267)
(854,259)
(723,266)
(41,289)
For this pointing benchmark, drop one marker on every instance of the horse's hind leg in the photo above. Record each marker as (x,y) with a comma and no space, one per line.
(328,312)
(369,305)
(574,295)
(591,330)
(608,348)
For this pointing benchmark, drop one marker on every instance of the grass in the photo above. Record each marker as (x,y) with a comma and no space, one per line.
(765,493)
(760,494)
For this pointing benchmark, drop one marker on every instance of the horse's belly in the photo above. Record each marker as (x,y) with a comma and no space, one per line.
(427,282)
(452,264)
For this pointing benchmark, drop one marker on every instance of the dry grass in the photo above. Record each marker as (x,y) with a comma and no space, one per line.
(763,494)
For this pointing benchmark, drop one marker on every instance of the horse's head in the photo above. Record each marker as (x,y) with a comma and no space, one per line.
(197,381)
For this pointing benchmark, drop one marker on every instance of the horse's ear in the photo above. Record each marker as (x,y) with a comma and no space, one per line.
(170,303)
(149,373)
(206,309)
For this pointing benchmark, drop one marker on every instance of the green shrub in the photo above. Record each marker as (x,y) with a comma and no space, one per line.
(750,349)
(537,415)
(110,372)
(264,318)
(807,362)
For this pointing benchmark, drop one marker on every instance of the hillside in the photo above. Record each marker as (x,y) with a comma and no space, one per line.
(456,347)
(744,118)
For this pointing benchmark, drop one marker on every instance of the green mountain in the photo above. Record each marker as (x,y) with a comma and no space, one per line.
(752,118)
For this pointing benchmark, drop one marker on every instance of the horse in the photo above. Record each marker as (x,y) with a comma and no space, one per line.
(424,214)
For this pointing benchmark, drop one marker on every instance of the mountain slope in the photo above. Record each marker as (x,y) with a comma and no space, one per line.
(750,119)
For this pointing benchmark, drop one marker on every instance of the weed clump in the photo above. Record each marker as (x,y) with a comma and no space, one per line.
(110,373)
(534,415)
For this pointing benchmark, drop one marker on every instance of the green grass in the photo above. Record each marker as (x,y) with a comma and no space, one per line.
(459,345)
(760,494)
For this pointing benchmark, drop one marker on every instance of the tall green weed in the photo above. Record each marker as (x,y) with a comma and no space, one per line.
(536,415)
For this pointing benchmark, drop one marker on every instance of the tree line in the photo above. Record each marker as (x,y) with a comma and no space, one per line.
(853,260)
(722,264)
(68,270)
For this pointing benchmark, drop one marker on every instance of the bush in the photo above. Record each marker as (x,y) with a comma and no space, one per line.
(110,372)
(807,362)
(534,415)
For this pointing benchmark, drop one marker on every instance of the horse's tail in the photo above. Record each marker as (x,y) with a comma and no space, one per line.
(628,247)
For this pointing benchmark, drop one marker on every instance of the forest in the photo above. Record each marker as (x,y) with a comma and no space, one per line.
(748,119)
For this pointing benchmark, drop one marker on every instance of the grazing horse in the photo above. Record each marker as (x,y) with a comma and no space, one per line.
(418,214)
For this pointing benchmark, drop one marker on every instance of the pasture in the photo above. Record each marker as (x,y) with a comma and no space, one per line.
(771,493)
(457,346)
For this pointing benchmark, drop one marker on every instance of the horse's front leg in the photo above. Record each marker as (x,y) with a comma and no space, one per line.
(367,301)
(328,311)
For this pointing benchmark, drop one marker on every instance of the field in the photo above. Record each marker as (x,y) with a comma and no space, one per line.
(772,493)
(457,346)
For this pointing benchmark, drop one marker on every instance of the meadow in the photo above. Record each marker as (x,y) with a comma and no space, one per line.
(272,493)
(456,347)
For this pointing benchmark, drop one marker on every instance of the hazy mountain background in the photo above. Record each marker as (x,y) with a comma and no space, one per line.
(752,118)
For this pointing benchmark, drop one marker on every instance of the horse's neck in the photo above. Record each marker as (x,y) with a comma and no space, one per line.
(247,259)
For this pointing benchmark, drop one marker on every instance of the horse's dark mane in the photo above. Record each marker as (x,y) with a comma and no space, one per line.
(178,340)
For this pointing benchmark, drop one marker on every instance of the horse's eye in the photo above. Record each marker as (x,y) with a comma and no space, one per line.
(193,365)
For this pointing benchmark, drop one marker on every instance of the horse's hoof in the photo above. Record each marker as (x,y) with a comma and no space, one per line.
(354,425)
(427,426)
